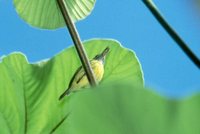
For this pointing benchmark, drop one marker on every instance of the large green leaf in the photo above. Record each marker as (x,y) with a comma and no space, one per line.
(46,13)
(126,109)
(29,92)
(118,109)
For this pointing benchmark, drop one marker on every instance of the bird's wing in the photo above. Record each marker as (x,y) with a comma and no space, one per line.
(83,73)
(79,74)
(81,77)
(75,74)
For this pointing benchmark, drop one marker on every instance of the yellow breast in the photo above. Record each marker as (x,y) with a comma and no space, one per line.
(98,69)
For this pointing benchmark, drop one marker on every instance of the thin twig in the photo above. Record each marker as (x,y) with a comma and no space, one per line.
(154,10)
(77,42)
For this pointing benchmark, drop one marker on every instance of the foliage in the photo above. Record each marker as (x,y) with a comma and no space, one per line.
(29,92)
(127,109)
(46,13)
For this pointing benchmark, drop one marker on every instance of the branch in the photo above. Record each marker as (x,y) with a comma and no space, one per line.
(77,42)
(152,7)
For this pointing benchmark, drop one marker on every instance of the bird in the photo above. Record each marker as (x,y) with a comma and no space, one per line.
(79,79)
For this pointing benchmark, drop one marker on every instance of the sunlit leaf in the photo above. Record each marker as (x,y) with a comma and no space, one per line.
(29,92)
(46,13)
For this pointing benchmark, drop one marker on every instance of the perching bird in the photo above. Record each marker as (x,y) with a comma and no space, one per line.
(79,79)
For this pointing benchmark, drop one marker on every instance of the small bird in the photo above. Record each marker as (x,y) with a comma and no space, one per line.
(79,79)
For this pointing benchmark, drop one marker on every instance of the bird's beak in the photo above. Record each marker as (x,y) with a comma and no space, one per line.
(105,52)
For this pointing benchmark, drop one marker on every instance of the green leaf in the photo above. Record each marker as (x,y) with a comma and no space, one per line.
(46,13)
(29,92)
(118,109)
(127,109)
(186,118)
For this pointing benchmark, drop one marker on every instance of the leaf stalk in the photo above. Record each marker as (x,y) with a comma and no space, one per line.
(157,14)
(77,42)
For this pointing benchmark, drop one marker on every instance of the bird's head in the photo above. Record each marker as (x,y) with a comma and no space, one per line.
(101,57)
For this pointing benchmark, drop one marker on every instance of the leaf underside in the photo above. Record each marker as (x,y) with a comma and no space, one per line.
(29,98)
(46,13)
(29,92)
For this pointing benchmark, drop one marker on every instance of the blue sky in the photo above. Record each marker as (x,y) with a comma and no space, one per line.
(166,68)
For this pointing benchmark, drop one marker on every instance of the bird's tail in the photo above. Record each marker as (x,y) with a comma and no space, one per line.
(64,94)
